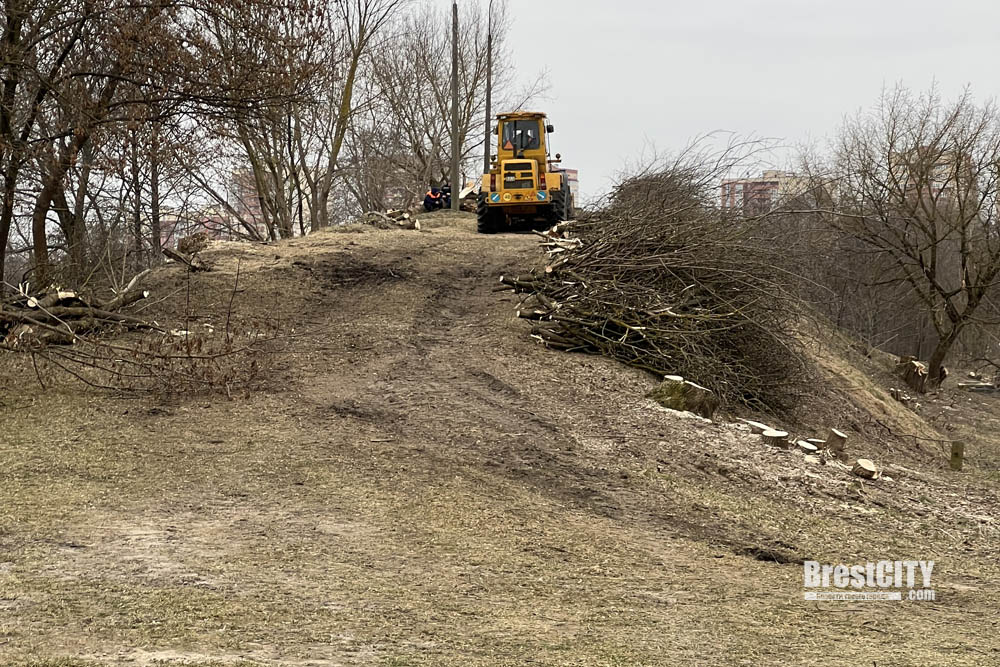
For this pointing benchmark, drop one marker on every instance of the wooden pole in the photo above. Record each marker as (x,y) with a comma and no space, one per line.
(957,455)
(489,90)
(456,149)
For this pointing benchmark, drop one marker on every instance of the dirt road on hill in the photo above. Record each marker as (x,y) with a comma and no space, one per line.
(423,484)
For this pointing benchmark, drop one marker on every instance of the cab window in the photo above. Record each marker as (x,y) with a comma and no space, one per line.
(521,135)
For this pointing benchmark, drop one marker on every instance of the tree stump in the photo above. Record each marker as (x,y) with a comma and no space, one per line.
(807,447)
(865,468)
(835,442)
(914,374)
(677,393)
(775,438)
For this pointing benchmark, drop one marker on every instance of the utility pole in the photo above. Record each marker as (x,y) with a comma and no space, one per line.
(488,142)
(456,149)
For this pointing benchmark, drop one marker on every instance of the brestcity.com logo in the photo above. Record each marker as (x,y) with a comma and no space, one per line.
(880,580)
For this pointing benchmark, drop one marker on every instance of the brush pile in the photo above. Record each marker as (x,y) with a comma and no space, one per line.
(398,219)
(59,317)
(662,279)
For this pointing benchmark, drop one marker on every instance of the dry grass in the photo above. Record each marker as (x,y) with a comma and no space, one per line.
(423,485)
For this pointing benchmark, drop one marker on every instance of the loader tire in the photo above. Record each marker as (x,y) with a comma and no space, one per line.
(561,206)
(487,219)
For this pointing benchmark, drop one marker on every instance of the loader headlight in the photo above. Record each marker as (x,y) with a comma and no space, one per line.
(506,196)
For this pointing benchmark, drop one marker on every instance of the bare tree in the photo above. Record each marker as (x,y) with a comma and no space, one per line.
(917,182)
(407,127)
(79,72)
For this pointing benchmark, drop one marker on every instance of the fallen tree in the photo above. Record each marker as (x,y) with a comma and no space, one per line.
(663,280)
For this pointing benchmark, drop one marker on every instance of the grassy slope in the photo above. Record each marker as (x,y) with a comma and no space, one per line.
(423,485)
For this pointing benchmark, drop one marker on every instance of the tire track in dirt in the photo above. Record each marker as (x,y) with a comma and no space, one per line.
(444,392)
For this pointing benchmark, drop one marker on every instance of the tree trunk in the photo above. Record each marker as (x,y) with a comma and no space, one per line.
(11,49)
(137,203)
(935,366)
(39,240)
(78,240)
(154,197)
(74,233)
(7,216)
(344,112)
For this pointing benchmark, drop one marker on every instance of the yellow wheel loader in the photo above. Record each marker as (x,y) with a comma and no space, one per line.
(524,187)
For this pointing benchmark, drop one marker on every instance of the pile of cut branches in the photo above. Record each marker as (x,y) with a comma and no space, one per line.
(176,362)
(59,317)
(662,279)
(92,341)
(397,219)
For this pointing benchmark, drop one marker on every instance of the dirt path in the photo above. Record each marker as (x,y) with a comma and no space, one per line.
(427,486)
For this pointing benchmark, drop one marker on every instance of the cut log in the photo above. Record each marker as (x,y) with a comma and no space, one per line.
(810,458)
(57,314)
(128,296)
(390,219)
(126,299)
(62,318)
(52,299)
(685,396)
(977,386)
(836,441)
(865,468)
(775,438)
(558,231)
(532,314)
(900,395)
(816,441)
(807,447)
(518,284)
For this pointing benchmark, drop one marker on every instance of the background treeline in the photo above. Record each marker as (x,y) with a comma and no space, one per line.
(896,230)
(124,125)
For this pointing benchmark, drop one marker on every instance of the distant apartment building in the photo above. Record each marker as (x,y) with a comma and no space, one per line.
(937,175)
(756,196)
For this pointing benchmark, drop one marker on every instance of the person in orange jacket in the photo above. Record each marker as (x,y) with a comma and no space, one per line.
(433,200)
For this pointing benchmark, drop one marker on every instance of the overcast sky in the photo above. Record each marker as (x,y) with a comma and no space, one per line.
(630,73)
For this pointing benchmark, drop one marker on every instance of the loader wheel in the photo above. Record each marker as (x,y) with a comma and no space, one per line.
(488,220)
(560,209)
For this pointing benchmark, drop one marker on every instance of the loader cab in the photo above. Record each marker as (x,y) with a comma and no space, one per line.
(522,136)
